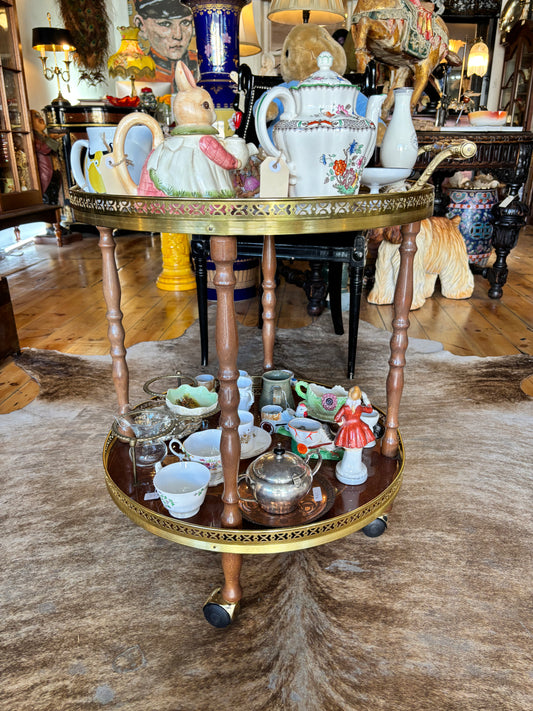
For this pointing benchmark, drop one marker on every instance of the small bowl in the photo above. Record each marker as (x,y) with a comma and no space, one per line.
(201,399)
(487,118)
(182,487)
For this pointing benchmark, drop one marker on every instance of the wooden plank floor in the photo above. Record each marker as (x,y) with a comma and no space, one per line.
(58,304)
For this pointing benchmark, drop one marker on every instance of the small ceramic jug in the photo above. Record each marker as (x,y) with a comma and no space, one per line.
(277,389)
(97,172)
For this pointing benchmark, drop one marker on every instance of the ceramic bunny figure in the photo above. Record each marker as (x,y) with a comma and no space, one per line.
(193,161)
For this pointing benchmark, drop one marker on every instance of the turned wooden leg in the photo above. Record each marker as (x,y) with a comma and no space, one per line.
(224,254)
(58,234)
(403,296)
(269,300)
(231,565)
(115,331)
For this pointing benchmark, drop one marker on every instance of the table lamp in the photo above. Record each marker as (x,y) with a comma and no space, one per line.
(54,39)
(317,12)
(130,62)
(478,59)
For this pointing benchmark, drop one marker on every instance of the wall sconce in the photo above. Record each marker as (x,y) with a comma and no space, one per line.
(129,61)
(248,42)
(478,59)
(53,39)
(296,12)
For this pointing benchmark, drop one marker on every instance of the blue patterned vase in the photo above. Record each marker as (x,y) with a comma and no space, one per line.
(217,40)
(474,208)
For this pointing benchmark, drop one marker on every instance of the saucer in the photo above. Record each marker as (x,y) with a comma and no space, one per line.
(375,178)
(258,442)
(314,504)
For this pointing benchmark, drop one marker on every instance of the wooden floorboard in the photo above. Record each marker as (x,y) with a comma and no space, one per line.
(58,304)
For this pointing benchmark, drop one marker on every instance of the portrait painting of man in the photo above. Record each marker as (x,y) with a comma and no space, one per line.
(166,29)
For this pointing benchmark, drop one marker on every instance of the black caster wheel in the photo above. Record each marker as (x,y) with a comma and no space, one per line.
(376,527)
(218,612)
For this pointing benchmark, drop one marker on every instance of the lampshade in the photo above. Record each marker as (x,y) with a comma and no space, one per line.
(52,39)
(478,60)
(248,42)
(455,45)
(130,62)
(317,12)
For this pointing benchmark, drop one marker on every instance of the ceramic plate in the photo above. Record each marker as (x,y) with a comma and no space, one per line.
(309,508)
(258,443)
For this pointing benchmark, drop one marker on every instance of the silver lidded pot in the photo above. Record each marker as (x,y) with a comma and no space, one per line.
(279,479)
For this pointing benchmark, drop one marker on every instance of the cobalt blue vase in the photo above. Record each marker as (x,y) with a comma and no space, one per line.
(217,40)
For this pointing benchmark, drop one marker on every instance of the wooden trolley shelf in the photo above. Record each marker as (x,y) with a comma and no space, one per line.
(353,508)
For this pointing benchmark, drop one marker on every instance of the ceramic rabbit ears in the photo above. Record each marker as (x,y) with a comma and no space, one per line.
(184,78)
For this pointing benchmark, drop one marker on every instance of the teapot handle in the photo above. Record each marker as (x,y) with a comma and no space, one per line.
(135,119)
(319,461)
(289,112)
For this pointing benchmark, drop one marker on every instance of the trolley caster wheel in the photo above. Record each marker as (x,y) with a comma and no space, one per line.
(376,527)
(218,612)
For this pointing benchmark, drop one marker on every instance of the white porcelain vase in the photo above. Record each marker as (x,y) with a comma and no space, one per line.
(399,148)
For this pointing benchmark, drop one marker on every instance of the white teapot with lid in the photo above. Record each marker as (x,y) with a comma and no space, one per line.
(324,142)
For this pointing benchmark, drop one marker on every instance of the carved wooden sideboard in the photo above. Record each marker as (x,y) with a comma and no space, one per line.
(507,156)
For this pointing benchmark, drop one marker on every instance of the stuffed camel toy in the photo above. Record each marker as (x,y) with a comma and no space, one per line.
(441,252)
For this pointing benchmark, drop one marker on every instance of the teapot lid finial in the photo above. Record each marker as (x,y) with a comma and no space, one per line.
(324,60)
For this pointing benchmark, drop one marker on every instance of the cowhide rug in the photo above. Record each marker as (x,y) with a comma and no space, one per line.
(435,614)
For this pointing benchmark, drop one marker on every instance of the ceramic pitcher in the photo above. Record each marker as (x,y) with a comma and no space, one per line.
(97,172)
(399,148)
(277,389)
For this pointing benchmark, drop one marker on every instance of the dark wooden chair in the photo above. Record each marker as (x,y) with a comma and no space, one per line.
(334,249)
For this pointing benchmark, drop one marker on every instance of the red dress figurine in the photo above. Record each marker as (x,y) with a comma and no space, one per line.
(353,432)
(353,436)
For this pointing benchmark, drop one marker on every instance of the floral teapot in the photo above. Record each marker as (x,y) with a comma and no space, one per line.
(325,143)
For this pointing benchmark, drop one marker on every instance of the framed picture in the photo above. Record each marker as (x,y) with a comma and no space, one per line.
(166,33)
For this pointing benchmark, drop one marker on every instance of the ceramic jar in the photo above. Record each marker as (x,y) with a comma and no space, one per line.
(399,148)
(474,207)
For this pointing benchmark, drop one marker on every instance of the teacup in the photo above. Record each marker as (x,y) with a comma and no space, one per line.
(274,416)
(308,432)
(182,487)
(202,447)
(271,412)
(244,384)
(323,403)
(246,426)
(207,380)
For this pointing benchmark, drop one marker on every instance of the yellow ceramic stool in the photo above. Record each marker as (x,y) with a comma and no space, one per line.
(177,274)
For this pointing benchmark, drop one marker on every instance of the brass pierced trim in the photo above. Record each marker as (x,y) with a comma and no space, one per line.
(252,216)
(253,541)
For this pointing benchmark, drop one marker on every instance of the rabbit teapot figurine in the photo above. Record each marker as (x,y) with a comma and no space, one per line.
(325,143)
(193,162)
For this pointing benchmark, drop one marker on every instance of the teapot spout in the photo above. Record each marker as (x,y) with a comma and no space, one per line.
(373,111)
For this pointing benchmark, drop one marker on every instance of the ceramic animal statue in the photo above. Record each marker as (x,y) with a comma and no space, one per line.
(441,252)
(193,162)
(407,35)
